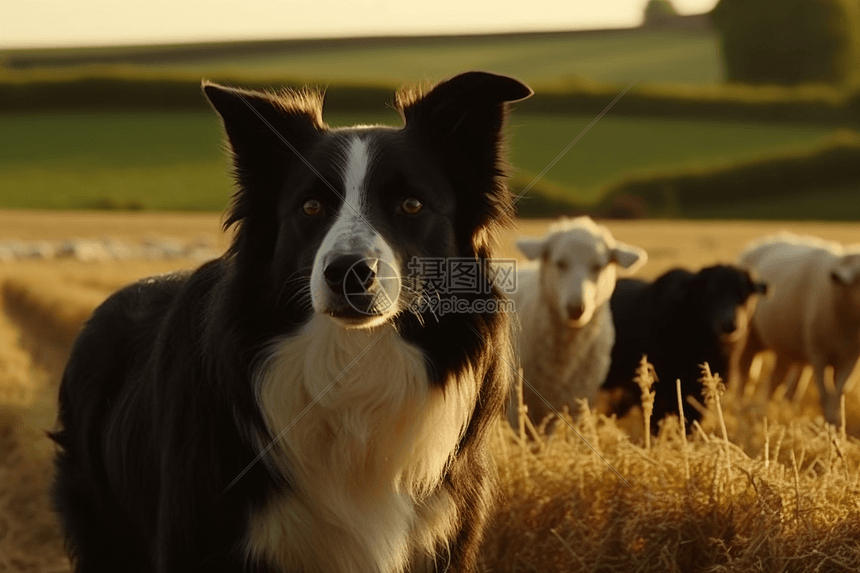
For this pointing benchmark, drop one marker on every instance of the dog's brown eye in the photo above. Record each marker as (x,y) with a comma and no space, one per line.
(561,265)
(411,205)
(312,208)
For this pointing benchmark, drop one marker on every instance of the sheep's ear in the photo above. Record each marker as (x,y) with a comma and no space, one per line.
(847,269)
(533,248)
(629,257)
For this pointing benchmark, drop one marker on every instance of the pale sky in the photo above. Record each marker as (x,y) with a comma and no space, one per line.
(42,23)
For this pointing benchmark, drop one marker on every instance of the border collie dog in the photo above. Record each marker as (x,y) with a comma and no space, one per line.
(288,407)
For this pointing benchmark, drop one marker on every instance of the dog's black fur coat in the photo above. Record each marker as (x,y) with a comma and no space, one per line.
(157,410)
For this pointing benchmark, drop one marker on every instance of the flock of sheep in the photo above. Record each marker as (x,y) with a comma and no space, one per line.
(582,329)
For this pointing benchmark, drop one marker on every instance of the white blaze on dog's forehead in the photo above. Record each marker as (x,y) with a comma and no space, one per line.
(352,232)
(357,154)
(351,227)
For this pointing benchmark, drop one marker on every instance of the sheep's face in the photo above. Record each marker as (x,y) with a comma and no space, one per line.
(578,271)
(727,296)
(846,274)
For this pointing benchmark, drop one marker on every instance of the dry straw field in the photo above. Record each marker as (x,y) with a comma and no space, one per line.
(759,486)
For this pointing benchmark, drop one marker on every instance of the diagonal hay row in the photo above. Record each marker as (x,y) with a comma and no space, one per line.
(29,538)
(16,385)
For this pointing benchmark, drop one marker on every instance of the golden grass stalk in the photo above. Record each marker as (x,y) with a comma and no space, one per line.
(522,409)
(713,389)
(766,446)
(842,430)
(683,429)
(645,379)
(522,418)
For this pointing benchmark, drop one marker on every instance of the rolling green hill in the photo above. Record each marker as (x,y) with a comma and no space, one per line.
(173,161)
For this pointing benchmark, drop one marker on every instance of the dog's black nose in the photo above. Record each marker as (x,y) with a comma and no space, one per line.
(350,274)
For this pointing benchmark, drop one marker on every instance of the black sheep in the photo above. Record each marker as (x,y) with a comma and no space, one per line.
(680,321)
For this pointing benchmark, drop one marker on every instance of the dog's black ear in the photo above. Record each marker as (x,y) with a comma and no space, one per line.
(468,104)
(266,132)
(252,118)
(461,120)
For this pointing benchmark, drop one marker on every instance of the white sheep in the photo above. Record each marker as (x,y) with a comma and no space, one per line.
(811,314)
(562,303)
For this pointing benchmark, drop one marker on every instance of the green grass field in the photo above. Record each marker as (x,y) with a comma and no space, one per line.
(648,56)
(177,161)
(615,147)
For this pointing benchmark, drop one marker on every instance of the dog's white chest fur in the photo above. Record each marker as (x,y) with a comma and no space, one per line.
(365,460)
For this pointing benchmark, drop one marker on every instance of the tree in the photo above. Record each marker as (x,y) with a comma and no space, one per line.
(788,41)
(658,11)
